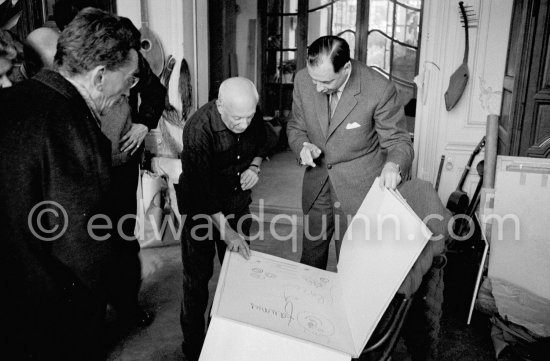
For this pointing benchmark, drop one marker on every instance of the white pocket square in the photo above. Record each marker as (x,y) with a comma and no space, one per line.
(352,125)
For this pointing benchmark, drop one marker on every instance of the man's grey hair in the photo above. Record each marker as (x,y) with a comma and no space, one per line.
(94,38)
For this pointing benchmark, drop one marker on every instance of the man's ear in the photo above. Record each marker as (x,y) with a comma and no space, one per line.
(347,66)
(219,105)
(98,77)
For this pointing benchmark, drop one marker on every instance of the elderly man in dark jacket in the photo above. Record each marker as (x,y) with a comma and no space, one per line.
(54,186)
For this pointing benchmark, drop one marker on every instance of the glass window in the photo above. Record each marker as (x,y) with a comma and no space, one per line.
(319,21)
(337,17)
(389,44)
(392,43)
(280,54)
(378,50)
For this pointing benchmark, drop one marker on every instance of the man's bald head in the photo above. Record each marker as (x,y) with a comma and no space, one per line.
(40,48)
(237,101)
(238,91)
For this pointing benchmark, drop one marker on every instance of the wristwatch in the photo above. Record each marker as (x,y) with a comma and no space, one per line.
(252,166)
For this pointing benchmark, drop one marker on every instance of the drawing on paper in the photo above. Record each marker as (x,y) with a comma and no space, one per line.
(316,324)
(317,282)
(321,297)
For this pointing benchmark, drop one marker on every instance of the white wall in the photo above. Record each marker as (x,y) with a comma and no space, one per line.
(455,133)
(183,31)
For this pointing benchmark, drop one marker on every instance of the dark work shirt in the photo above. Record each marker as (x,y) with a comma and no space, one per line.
(213,159)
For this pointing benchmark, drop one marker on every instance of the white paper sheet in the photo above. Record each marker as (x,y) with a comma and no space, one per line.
(233,341)
(291,310)
(381,245)
(285,297)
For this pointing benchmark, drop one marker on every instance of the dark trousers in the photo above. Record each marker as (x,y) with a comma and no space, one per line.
(324,220)
(197,251)
(126,274)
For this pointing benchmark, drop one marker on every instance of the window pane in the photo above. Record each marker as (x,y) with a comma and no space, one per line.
(318,23)
(412,3)
(345,15)
(381,16)
(407,25)
(400,23)
(273,41)
(274,32)
(378,51)
(291,6)
(289,24)
(282,6)
(349,36)
(284,66)
(316,3)
(343,22)
(404,63)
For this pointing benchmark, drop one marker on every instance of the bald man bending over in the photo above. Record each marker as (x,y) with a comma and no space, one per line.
(223,148)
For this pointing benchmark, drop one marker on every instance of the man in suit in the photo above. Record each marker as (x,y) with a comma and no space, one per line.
(55,166)
(347,127)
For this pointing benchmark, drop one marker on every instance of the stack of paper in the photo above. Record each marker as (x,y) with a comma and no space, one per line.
(269,308)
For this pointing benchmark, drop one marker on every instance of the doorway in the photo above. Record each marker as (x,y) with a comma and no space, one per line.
(384,34)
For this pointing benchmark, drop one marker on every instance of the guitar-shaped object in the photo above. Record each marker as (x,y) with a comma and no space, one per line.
(460,77)
(151,48)
(458,200)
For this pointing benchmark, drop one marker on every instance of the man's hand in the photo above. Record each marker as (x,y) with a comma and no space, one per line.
(390,176)
(249,178)
(133,138)
(236,243)
(308,153)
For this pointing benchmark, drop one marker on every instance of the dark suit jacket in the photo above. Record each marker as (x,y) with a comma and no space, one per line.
(366,130)
(51,149)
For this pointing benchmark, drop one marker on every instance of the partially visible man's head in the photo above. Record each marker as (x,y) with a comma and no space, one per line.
(8,53)
(328,63)
(97,49)
(40,48)
(237,101)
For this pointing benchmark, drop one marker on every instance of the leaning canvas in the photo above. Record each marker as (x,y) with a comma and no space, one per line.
(269,308)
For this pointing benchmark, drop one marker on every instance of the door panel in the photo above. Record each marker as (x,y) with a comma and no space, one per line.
(525,110)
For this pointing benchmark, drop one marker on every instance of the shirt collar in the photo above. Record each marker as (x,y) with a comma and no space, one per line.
(341,89)
(87,98)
